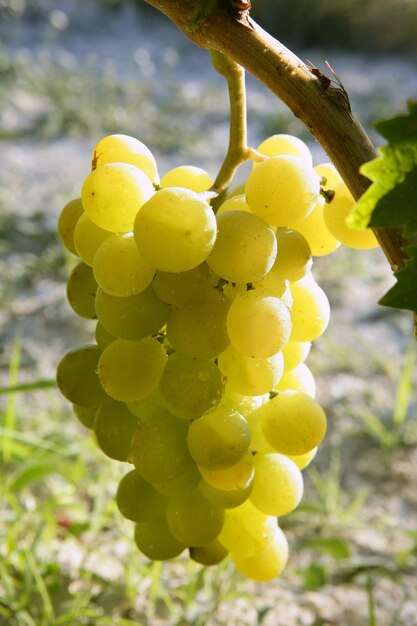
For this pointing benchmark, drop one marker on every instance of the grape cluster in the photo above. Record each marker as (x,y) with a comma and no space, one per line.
(197,374)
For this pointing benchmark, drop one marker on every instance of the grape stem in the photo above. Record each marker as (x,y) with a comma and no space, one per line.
(321,103)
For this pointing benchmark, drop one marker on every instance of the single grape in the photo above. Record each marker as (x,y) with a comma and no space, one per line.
(211,554)
(294,255)
(175,230)
(188,176)
(310,313)
(88,237)
(119,268)
(77,376)
(114,427)
(131,317)
(335,215)
(131,370)
(194,520)
(234,203)
(293,422)
(316,233)
(81,291)
(283,144)
(295,352)
(227,498)
(234,477)
(156,541)
(67,221)
(329,172)
(246,530)
(299,378)
(113,193)
(303,460)
(184,289)
(282,190)
(266,564)
(119,148)
(190,387)
(245,247)
(248,375)
(259,325)
(85,414)
(138,500)
(277,486)
(200,331)
(219,438)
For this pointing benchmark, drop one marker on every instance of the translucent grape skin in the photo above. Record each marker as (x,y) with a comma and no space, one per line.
(188,176)
(81,291)
(294,255)
(310,311)
(112,195)
(248,375)
(77,376)
(119,148)
(245,247)
(282,144)
(175,230)
(267,564)
(246,530)
(277,486)
(67,221)
(87,238)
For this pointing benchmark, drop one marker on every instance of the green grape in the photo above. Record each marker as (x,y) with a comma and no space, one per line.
(132,317)
(246,530)
(194,520)
(266,564)
(299,378)
(138,500)
(248,375)
(211,554)
(88,237)
(184,289)
(85,414)
(114,427)
(234,477)
(124,149)
(241,403)
(159,449)
(303,460)
(200,331)
(227,499)
(119,267)
(81,291)
(219,438)
(113,193)
(148,406)
(259,325)
(175,230)
(295,352)
(277,486)
(285,145)
(236,202)
(330,173)
(245,247)
(156,541)
(188,176)
(190,387)
(103,338)
(77,376)
(335,215)
(67,221)
(294,255)
(293,422)
(131,370)
(172,487)
(316,233)
(282,190)
(310,313)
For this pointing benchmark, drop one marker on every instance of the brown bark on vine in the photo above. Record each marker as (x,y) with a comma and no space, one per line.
(318,100)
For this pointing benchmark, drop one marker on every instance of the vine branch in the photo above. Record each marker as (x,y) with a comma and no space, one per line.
(319,102)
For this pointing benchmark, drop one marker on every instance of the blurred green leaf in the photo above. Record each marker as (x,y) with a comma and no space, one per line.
(315,576)
(333,546)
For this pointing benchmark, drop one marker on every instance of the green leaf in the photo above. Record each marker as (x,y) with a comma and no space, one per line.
(403,295)
(315,576)
(391,201)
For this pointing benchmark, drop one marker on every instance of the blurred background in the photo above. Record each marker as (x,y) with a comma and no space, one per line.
(72,71)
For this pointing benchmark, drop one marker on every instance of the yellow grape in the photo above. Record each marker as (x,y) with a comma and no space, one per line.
(310,313)
(295,352)
(294,255)
(194,520)
(299,378)
(211,554)
(245,247)
(335,215)
(248,375)
(266,564)
(88,237)
(81,291)
(188,176)
(315,231)
(234,477)
(303,460)
(156,541)
(184,289)
(283,144)
(277,486)
(124,149)
(282,190)
(329,172)
(113,193)
(227,498)
(246,530)
(236,202)
(293,423)
(77,377)
(67,221)
(259,325)
(119,268)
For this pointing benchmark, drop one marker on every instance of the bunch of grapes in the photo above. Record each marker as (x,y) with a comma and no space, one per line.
(197,375)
